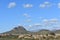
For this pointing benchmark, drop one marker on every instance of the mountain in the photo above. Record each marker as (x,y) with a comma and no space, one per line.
(22,30)
(57,31)
(17,30)
(44,31)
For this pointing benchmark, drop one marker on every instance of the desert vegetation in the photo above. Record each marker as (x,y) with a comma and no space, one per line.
(21,34)
(50,36)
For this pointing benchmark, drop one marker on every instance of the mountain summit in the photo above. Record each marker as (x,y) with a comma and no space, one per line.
(17,30)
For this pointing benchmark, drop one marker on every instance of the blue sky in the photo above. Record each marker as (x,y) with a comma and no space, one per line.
(32,14)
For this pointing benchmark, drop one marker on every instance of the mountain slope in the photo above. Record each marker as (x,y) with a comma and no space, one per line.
(17,30)
(57,31)
(22,30)
(44,31)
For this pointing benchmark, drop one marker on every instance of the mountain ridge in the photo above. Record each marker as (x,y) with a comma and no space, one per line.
(22,30)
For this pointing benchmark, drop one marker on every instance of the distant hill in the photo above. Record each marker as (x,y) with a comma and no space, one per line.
(57,31)
(22,30)
(44,31)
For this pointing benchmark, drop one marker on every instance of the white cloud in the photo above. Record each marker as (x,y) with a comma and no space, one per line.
(30,25)
(45,20)
(11,5)
(28,20)
(26,15)
(50,22)
(58,5)
(20,25)
(53,20)
(37,24)
(45,4)
(27,5)
(42,5)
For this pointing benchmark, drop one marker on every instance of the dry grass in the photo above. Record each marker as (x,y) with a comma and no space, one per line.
(28,37)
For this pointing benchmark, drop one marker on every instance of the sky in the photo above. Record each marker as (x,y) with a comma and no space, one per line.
(31,14)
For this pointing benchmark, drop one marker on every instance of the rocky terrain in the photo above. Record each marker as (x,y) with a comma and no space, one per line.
(20,33)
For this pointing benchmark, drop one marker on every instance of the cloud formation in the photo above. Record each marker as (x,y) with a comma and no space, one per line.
(47,23)
(11,4)
(45,20)
(45,4)
(30,25)
(42,6)
(37,24)
(26,15)
(28,20)
(50,22)
(27,5)
(53,20)
(58,5)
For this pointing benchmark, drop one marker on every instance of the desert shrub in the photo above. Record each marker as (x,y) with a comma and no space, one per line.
(52,33)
